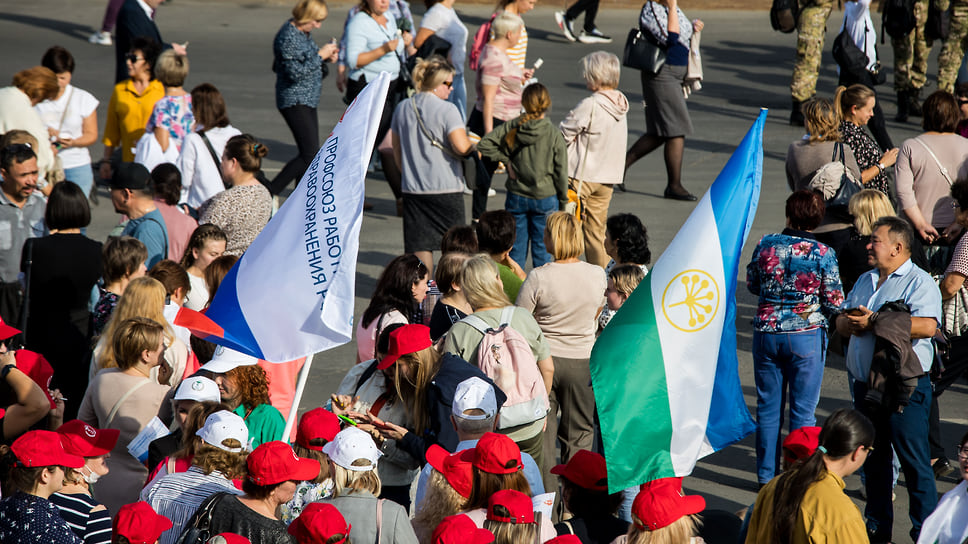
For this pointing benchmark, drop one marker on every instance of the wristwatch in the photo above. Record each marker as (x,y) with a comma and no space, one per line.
(880,168)
(6,370)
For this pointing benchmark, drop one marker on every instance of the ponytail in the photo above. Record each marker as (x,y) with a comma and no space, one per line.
(847,98)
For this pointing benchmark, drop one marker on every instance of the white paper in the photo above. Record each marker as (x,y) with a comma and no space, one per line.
(543,503)
(154,430)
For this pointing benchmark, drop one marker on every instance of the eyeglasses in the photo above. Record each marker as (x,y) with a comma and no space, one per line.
(870,449)
(133,58)
(962,451)
(16,148)
(449,83)
(962,101)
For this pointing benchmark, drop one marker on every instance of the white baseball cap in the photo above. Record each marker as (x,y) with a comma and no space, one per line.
(351,444)
(226,359)
(474,394)
(221,426)
(199,389)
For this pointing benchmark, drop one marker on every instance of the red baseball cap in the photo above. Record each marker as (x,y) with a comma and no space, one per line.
(802,443)
(6,331)
(318,523)
(36,366)
(585,469)
(461,529)
(228,538)
(564,539)
(493,454)
(140,524)
(661,503)
(519,506)
(43,449)
(404,340)
(316,423)
(275,462)
(79,438)
(457,471)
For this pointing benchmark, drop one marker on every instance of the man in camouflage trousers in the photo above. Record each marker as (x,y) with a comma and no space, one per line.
(911,64)
(953,50)
(811,26)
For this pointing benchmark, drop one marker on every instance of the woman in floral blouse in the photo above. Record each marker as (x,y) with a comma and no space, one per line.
(798,284)
(855,107)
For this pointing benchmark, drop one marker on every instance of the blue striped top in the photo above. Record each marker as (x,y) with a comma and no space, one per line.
(76,509)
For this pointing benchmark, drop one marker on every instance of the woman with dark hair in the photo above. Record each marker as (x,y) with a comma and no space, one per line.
(123,259)
(131,103)
(272,472)
(926,167)
(200,160)
(215,273)
(627,242)
(178,224)
(807,502)
(30,87)
(244,209)
(32,470)
(60,270)
(206,244)
(401,289)
(798,284)
(300,66)
(71,119)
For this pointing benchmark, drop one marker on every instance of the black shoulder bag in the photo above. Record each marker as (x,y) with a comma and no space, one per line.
(641,50)
(197,531)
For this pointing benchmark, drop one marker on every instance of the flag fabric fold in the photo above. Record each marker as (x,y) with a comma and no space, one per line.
(291,294)
(664,370)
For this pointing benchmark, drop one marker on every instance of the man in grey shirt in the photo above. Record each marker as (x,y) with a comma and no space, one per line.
(21,217)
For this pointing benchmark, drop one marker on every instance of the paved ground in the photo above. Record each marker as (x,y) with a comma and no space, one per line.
(747,66)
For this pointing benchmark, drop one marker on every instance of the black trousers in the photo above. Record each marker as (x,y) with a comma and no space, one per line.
(479,201)
(589,7)
(353,88)
(304,125)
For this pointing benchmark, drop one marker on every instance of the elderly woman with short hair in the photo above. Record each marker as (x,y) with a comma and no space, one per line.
(566,316)
(596,133)
(30,87)
(798,284)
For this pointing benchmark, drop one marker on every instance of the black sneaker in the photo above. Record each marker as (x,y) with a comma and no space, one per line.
(942,468)
(595,36)
(566,25)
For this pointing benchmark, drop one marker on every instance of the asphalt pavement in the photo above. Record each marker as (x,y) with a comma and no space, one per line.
(747,66)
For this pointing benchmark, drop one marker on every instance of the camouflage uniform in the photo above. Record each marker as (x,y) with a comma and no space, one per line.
(911,53)
(811,27)
(949,61)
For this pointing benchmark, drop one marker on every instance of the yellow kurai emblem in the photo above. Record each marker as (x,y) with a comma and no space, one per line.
(691,300)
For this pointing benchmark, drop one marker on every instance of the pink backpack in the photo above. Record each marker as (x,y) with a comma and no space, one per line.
(481,38)
(506,357)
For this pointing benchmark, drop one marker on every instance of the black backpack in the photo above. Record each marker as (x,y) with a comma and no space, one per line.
(784,15)
(898,18)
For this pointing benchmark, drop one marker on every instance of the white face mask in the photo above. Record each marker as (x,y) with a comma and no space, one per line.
(90,478)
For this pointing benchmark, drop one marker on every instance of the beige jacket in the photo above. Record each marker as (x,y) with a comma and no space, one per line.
(599,124)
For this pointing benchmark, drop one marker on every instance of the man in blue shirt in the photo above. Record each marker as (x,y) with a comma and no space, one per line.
(132,193)
(894,277)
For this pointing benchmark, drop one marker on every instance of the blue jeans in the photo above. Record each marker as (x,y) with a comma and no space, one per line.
(785,364)
(908,433)
(83,176)
(458,96)
(530,215)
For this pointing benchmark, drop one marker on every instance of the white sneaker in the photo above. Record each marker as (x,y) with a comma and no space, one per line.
(101,38)
(595,36)
(566,25)
(491,192)
(468,190)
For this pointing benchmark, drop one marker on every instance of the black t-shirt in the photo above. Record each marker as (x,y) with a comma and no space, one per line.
(443,316)
(594,530)
(163,447)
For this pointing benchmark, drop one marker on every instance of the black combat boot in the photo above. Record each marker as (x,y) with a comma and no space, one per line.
(902,107)
(796,116)
(914,102)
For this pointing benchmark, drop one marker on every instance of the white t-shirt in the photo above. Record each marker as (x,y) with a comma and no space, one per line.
(857,21)
(201,177)
(445,23)
(79,105)
(198,295)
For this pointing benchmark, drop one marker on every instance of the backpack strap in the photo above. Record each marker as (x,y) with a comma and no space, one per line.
(477,323)
(506,314)
(379,519)
(365,375)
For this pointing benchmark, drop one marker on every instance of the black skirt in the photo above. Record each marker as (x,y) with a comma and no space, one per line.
(427,217)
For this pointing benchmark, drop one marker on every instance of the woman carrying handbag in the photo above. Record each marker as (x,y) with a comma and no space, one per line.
(667,119)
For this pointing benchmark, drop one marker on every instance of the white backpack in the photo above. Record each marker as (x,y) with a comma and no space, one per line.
(506,357)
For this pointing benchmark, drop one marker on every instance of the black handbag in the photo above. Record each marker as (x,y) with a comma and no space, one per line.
(642,54)
(853,60)
(838,204)
(198,532)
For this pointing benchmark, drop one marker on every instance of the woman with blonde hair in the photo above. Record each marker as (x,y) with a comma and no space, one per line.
(485,293)
(448,488)
(511,518)
(429,143)
(143,297)
(534,151)
(821,146)
(567,317)
(353,458)
(855,106)
(172,119)
(663,514)
(865,207)
(126,397)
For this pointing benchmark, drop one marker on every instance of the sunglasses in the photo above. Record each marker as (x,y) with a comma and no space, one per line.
(133,58)
(962,101)
(449,84)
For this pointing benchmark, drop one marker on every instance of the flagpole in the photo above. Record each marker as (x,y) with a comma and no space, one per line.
(300,387)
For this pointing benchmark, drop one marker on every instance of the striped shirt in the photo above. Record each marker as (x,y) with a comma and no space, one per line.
(520,50)
(178,496)
(76,509)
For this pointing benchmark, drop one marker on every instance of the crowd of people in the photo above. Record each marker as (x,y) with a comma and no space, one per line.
(468,415)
